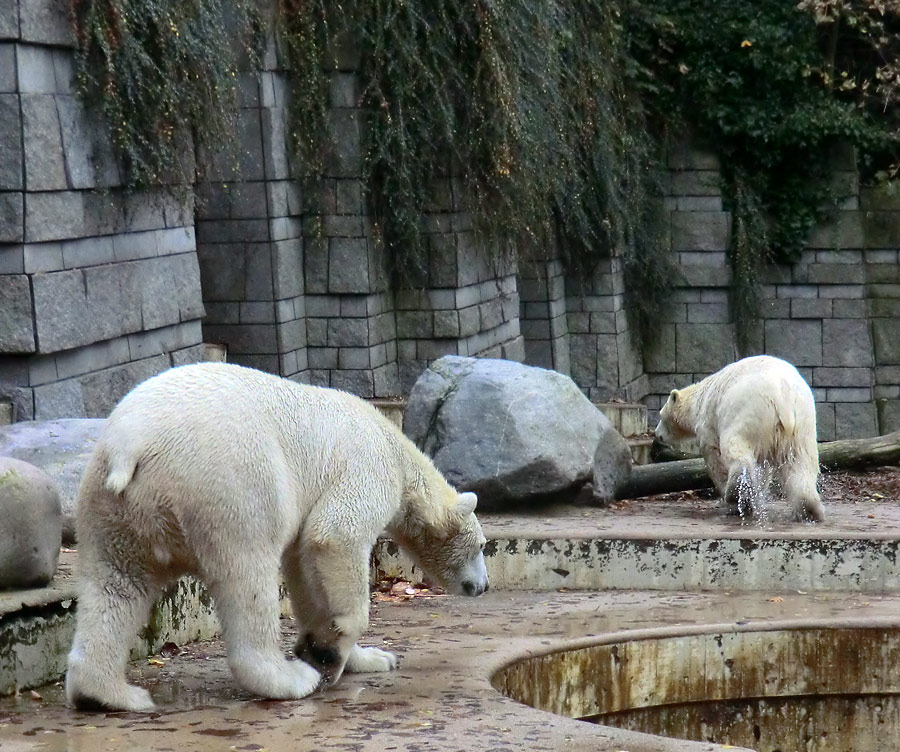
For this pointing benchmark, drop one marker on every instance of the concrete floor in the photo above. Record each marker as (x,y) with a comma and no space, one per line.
(441,699)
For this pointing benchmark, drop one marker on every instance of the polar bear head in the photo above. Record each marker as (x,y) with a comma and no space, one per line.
(449,548)
(674,423)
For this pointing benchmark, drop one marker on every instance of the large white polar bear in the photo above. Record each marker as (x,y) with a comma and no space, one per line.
(754,411)
(233,475)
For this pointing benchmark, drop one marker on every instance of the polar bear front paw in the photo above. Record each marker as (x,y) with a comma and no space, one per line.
(370,660)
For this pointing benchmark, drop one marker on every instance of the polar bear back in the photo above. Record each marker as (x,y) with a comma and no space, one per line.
(764,400)
(223,433)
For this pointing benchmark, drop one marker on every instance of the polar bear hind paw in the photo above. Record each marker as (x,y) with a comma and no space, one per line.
(133,699)
(810,511)
(370,660)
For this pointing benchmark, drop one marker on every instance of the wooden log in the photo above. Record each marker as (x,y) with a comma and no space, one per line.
(687,474)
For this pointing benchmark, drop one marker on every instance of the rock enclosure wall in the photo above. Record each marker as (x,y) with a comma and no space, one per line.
(100,289)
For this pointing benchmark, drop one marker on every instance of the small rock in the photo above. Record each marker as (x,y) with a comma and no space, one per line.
(32,525)
(61,448)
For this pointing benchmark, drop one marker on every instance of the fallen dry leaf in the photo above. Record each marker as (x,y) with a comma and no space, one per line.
(776,599)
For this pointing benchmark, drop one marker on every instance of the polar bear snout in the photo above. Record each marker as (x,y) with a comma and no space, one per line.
(472,588)
(473,578)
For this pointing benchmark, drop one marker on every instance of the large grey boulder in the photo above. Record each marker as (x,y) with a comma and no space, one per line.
(61,448)
(511,432)
(31,531)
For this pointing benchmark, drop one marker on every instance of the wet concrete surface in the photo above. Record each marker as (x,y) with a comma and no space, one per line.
(440,699)
(869,508)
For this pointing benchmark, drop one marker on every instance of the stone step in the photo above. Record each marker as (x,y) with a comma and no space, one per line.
(685,544)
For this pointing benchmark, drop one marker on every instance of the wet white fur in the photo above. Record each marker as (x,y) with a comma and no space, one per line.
(755,410)
(234,475)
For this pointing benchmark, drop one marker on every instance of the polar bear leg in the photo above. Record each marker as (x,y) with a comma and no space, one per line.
(798,480)
(311,617)
(112,607)
(248,606)
(342,576)
(717,471)
(743,488)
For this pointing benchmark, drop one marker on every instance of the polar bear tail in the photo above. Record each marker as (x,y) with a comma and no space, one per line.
(121,472)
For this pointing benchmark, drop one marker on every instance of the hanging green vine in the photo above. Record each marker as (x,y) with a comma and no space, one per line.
(545,114)
(759,83)
(530,105)
(164,75)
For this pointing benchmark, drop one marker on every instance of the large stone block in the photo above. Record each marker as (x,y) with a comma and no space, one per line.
(274,143)
(47,22)
(35,71)
(842,377)
(845,232)
(292,335)
(62,399)
(881,229)
(696,183)
(9,19)
(798,341)
(855,420)
(11,159)
(8,80)
(886,341)
(61,311)
(705,276)
(11,257)
(847,343)
(222,271)
(57,215)
(188,289)
(112,292)
(348,266)
(12,217)
(77,145)
(359,382)
(836,274)
(888,411)
(156,283)
(348,333)
(16,323)
(345,158)
(45,168)
(245,339)
(259,283)
(703,348)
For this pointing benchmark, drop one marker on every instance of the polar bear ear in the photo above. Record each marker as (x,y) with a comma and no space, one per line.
(673,395)
(466,503)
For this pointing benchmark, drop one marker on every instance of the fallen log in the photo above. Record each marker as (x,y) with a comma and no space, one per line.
(688,474)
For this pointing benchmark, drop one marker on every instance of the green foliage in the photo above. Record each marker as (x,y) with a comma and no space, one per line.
(163,73)
(528,106)
(750,79)
(545,117)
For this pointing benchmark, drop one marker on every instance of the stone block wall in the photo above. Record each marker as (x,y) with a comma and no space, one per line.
(296,281)
(543,317)
(832,313)
(249,235)
(98,289)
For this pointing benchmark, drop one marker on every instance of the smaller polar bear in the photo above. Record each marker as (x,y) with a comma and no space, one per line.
(756,410)
(233,475)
